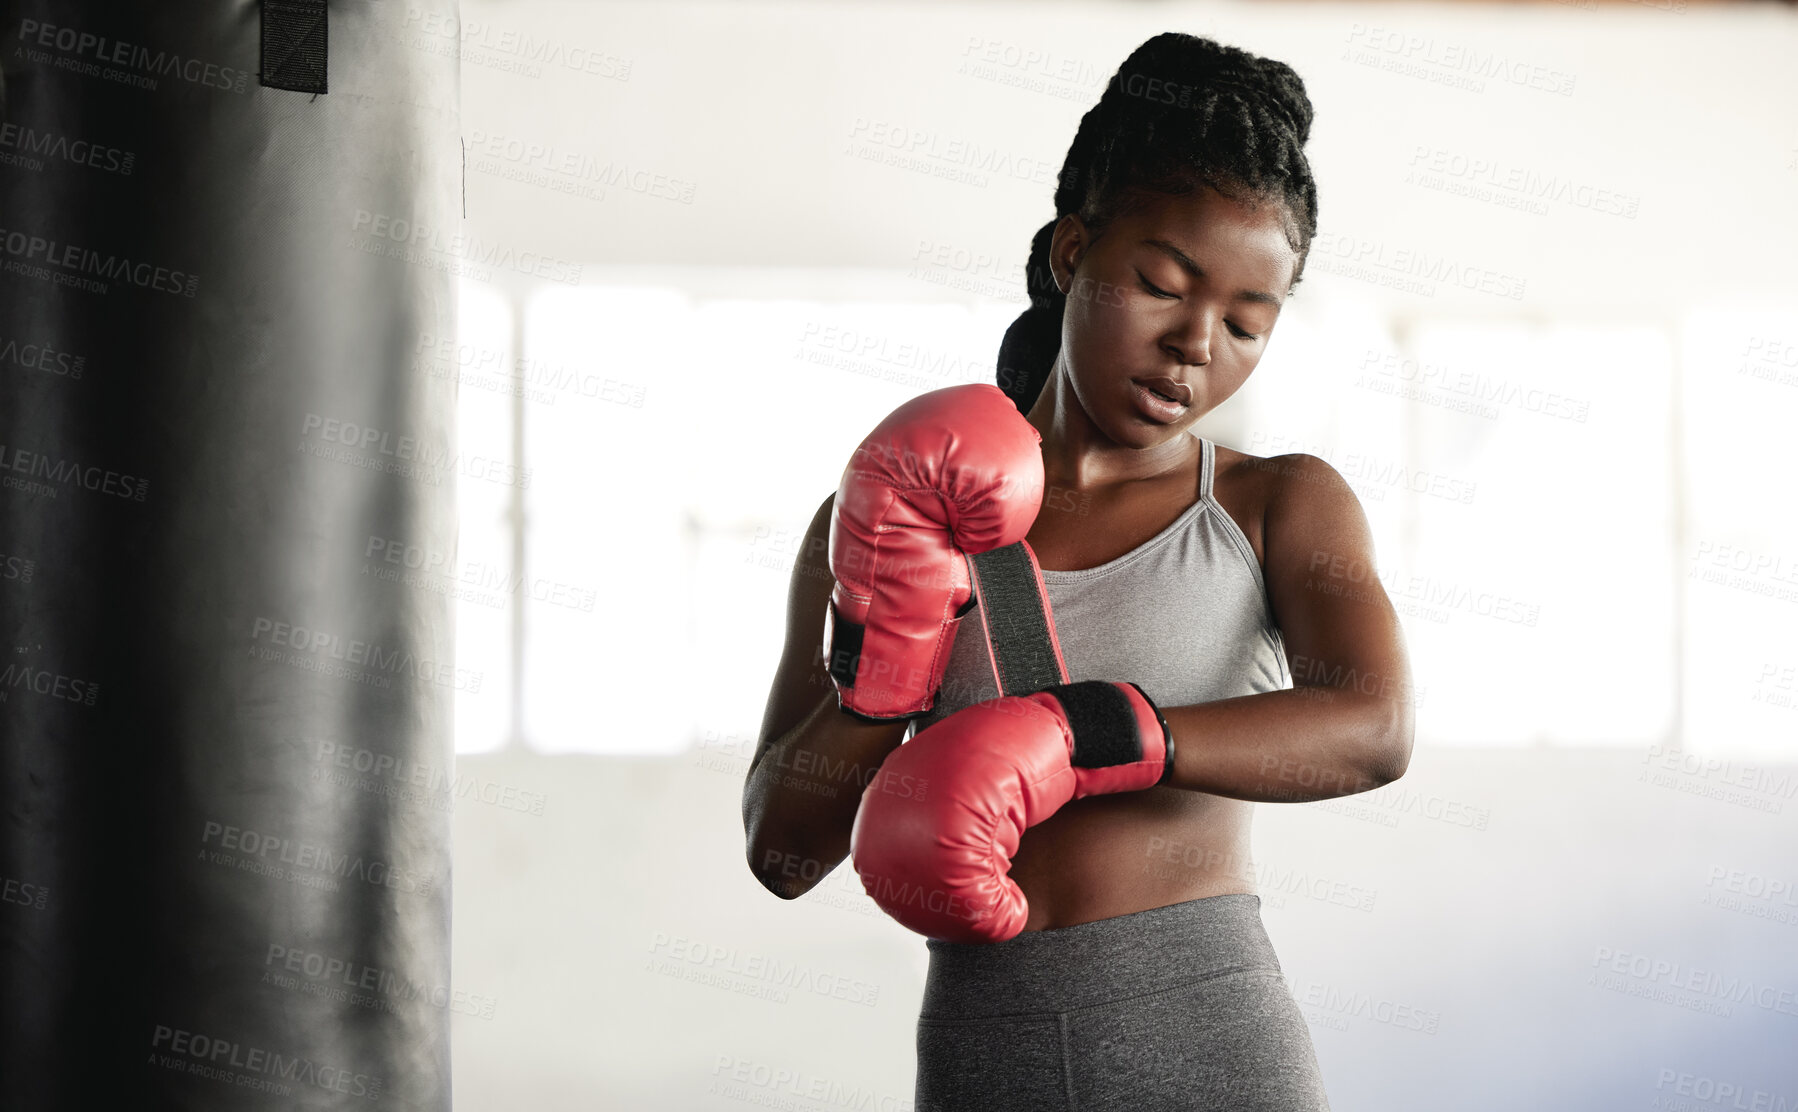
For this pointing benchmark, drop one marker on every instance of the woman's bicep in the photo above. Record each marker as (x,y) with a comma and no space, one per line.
(1334,616)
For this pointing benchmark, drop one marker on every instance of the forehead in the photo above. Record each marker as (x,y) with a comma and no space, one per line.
(1248,238)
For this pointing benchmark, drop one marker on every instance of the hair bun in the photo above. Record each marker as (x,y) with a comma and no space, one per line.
(1183,59)
(1281,85)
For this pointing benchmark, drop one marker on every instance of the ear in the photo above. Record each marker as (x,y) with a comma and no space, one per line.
(1066,248)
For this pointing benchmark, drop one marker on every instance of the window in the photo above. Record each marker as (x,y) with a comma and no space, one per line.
(1545,496)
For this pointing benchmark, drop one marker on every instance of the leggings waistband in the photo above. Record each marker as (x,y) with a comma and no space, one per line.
(1097,962)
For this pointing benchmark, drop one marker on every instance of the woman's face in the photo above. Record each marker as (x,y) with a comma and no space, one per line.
(1178,296)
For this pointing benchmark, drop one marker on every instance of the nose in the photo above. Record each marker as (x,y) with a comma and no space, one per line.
(1192,343)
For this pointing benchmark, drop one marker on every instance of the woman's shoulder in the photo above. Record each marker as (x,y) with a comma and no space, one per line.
(1267,477)
(1251,487)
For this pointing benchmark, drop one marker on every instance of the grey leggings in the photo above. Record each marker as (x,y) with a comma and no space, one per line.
(1178,1007)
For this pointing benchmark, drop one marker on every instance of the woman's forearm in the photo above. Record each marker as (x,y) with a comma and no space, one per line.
(1291,746)
(802,792)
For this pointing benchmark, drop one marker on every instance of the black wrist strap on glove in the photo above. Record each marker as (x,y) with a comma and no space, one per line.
(1105,724)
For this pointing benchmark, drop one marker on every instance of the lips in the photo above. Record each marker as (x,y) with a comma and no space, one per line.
(1176,392)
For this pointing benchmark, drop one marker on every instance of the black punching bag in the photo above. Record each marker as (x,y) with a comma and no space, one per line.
(224,873)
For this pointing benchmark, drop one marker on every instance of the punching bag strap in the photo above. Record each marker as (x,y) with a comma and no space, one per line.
(1020,630)
(293,45)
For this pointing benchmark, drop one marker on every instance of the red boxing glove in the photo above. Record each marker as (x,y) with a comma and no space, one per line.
(952,473)
(938,825)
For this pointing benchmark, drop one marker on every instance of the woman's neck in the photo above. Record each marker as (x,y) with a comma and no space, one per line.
(1078,455)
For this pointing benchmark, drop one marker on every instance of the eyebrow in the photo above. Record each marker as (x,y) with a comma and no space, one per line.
(1196,271)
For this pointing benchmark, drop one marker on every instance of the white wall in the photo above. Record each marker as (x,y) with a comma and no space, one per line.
(756,105)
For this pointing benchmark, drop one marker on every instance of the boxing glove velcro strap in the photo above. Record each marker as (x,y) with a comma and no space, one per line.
(1019,635)
(1105,725)
(842,645)
(842,656)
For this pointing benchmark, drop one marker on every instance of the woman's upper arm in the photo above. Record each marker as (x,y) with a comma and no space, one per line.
(1338,625)
(801,680)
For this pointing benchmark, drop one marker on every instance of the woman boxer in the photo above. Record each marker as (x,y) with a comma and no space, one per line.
(1206,594)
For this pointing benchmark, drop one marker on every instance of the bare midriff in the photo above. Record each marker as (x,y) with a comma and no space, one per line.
(1110,855)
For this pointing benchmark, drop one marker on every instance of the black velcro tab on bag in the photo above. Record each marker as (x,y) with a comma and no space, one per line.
(293,45)
(1103,721)
(1017,626)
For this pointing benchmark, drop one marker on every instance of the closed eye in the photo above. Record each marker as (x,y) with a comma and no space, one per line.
(1154,289)
(1159,292)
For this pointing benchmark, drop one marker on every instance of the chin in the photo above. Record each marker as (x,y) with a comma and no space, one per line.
(1143,436)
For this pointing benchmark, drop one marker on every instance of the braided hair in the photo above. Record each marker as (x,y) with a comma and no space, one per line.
(1182,112)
